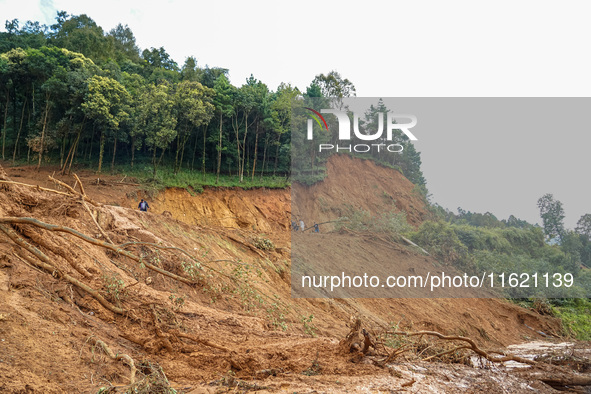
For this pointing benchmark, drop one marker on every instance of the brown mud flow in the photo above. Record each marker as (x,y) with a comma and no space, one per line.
(196,294)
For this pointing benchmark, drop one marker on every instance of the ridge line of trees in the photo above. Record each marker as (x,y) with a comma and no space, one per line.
(73,93)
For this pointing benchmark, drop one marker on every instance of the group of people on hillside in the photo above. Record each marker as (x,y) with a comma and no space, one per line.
(300,226)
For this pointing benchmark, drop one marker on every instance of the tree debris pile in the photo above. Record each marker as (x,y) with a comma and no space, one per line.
(120,285)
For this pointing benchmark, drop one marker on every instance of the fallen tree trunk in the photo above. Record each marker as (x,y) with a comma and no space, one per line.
(74,193)
(560,380)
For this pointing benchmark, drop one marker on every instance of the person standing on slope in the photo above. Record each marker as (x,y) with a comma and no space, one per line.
(143,206)
(302,227)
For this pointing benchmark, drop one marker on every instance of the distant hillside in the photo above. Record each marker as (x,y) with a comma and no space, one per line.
(355,184)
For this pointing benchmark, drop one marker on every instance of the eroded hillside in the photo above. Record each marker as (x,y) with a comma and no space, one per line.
(199,287)
(353,183)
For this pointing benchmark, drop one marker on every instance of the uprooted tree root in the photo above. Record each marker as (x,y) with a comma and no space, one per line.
(361,343)
(118,249)
(44,263)
(115,248)
(353,344)
(117,357)
(48,248)
(152,378)
(83,199)
(29,248)
(471,346)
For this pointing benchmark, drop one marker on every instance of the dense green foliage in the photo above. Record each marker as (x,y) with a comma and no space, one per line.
(72,93)
(576,317)
(194,181)
(477,243)
(552,215)
(483,235)
(391,224)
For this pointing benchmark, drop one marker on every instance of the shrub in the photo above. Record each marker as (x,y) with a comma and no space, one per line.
(263,243)
(442,241)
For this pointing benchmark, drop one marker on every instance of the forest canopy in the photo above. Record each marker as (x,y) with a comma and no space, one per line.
(74,93)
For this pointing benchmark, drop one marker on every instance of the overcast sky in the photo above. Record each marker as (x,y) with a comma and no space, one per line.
(391,49)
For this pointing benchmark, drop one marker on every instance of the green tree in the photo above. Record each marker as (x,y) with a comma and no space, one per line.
(106,103)
(571,245)
(313,90)
(10,39)
(552,215)
(513,221)
(333,85)
(223,106)
(159,58)
(72,118)
(136,85)
(158,119)
(123,43)
(34,35)
(190,71)
(41,144)
(159,66)
(584,226)
(585,251)
(262,117)
(31,35)
(81,34)
(250,105)
(9,67)
(194,108)
(281,112)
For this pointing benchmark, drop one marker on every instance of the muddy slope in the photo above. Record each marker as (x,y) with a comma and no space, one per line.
(361,185)
(239,314)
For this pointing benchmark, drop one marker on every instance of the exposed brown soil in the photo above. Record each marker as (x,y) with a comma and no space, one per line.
(238,328)
(361,185)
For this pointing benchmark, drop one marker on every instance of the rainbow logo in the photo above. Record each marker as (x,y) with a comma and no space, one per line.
(317,115)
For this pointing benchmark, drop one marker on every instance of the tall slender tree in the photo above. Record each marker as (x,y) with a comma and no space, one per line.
(158,120)
(223,107)
(552,215)
(107,104)
(194,108)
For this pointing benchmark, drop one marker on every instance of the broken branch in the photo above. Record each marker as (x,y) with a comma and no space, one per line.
(36,187)
(118,357)
(199,340)
(472,346)
(74,192)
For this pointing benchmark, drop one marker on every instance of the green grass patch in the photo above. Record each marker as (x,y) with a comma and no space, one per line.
(576,317)
(195,181)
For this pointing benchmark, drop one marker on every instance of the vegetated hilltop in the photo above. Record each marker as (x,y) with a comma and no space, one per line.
(199,287)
